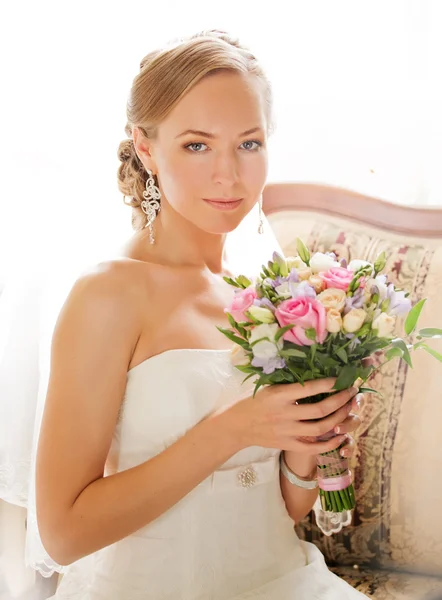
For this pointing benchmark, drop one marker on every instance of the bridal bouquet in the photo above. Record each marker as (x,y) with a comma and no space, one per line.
(309,317)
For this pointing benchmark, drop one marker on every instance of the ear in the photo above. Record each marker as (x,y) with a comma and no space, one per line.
(143,148)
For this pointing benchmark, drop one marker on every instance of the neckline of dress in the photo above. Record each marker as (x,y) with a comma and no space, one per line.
(210,351)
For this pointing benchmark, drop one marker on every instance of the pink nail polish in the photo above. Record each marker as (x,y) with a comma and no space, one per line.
(337,429)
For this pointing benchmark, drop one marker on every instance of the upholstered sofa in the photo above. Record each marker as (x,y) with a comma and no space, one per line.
(393,549)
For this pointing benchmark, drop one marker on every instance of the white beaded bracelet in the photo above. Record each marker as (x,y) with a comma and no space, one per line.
(309,484)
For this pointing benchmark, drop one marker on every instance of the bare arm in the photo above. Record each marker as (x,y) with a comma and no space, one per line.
(298,501)
(79,510)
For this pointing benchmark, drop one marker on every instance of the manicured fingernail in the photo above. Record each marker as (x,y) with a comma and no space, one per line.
(344,453)
(337,429)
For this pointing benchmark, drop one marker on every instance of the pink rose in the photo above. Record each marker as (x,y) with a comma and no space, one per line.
(338,278)
(242,301)
(304,313)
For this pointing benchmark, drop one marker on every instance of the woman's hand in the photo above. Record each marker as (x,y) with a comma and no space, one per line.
(274,419)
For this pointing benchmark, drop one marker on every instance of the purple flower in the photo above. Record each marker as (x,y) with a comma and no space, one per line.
(344,263)
(293,276)
(269,365)
(264,303)
(355,301)
(399,304)
(278,281)
(303,289)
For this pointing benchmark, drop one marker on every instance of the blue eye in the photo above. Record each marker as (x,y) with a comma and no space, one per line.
(196,147)
(251,145)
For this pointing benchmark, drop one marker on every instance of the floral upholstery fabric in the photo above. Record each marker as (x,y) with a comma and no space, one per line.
(397,525)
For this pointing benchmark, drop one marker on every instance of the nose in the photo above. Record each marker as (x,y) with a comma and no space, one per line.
(225,169)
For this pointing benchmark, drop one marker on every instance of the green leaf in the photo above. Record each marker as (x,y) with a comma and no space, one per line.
(413,316)
(263,380)
(294,372)
(430,332)
(346,378)
(342,355)
(281,332)
(432,352)
(243,281)
(292,352)
(281,376)
(248,369)
(234,338)
(393,353)
(232,321)
(367,390)
(230,281)
(398,343)
(303,251)
(311,334)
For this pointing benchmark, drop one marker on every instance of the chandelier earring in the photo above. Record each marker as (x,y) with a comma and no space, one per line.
(151,204)
(261,219)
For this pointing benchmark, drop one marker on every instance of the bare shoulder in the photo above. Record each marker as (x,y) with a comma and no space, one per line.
(94,339)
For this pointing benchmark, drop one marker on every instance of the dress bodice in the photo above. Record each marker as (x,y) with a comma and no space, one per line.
(230,538)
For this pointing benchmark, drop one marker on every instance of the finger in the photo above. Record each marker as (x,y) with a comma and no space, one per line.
(314,448)
(368,362)
(291,392)
(358,402)
(319,410)
(350,424)
(349,449)
(322,426)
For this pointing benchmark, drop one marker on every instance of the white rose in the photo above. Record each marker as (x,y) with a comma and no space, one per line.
(264,315)
(384,324)
(322,262)
(284,290)
(354,320)
(357,264)
(334,321)
(333,298)
(295,262)
(265,349)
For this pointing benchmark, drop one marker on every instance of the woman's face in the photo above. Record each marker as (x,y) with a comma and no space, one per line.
(210,152)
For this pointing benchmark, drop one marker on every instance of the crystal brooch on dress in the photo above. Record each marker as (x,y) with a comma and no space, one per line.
(248,477)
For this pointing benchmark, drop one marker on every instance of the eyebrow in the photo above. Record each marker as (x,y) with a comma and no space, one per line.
(211,136)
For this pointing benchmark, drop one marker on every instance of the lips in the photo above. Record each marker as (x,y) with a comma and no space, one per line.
(224,203)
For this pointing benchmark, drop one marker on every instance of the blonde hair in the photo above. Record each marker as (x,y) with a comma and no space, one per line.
(164,77)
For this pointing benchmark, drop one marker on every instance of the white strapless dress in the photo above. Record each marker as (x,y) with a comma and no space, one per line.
(231,537)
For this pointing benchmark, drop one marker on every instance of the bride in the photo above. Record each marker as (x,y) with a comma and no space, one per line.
(157,473)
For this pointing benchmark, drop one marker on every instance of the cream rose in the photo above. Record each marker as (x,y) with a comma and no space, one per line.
(334,321)
(354,320)
(239,357)
(384,324)
(333,298)
(322,262)
(304,274)
(317,283)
